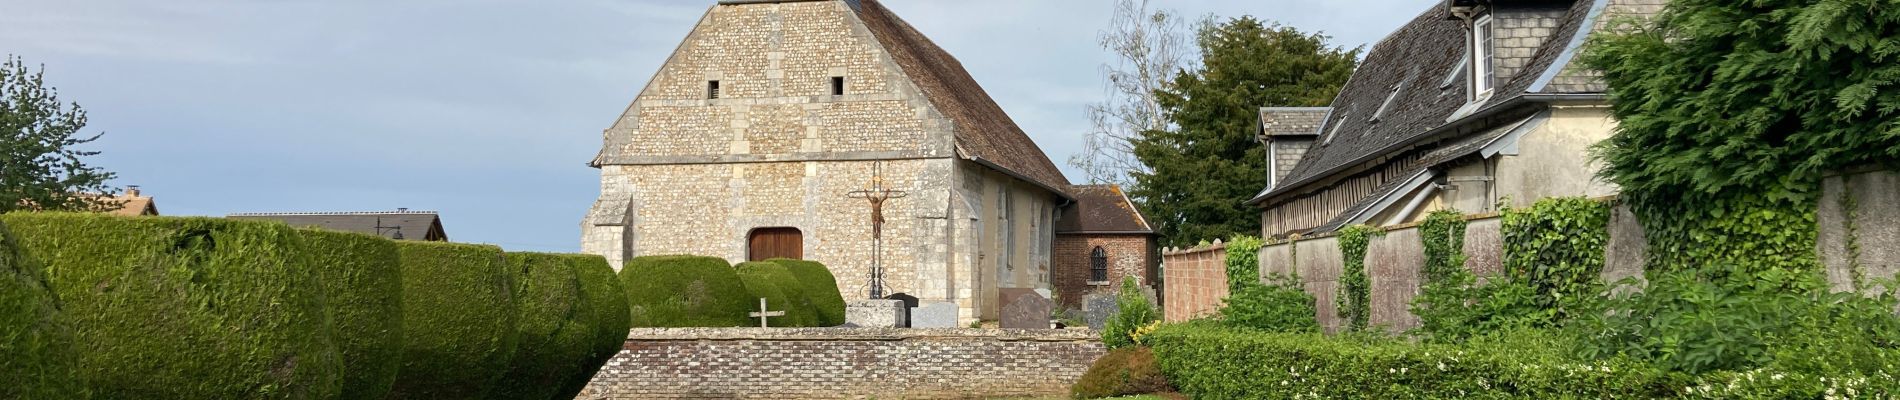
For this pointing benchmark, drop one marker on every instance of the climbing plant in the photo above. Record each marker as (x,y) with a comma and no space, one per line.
(1243,262)
(1556,247)
(1355,288)
(1443,236)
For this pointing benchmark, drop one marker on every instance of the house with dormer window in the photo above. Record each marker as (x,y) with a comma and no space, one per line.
(1472,105)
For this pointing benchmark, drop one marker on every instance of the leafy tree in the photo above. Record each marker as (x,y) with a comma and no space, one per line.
(1149,46)
(1207,164)
(40,166)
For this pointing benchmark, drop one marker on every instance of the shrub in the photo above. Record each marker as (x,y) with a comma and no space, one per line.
(1210,362)
(1121,372)
(782,292)
(362,282)
(458,320)
(554,334)
(1280,306)
(193,308)
(1243,262)
(685,291)
(38,339)
(821,286)
(1133,314)
(606,303)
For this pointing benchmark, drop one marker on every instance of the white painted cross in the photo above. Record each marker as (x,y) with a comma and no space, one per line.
(765,313)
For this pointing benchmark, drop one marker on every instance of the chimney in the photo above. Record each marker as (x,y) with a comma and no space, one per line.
(131,190)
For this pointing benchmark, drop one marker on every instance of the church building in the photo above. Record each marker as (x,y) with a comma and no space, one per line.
(751,140)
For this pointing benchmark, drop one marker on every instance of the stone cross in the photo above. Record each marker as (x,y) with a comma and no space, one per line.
(877,194)
(764,313)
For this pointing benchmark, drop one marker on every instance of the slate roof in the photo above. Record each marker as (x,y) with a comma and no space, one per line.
(983,131)
(1102,209)
(414,225)
(1291,121)
(1416,62)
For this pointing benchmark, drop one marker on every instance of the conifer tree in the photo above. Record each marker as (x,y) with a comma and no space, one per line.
(40,166)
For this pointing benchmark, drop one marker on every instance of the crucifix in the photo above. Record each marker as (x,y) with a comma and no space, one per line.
(877,194)
(765,313)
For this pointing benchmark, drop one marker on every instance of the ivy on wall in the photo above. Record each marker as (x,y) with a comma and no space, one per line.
(1556,248)
(1443,236)
(1355,287)
(1243,262)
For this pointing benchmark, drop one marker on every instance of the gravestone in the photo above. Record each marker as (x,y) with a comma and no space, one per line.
(1029,311)
(934,315)
(1097,308)
(875,313)
(910,302)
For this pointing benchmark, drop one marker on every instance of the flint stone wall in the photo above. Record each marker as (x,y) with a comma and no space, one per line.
(845,363)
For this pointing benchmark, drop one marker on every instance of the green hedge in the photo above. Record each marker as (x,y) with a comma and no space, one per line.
(602,299)
(1122,372)
(39,357)
(186,308)
(686,291)
(458,319)
(362,280)
(1216,363)
(821,286)
(554,333)
(781,291)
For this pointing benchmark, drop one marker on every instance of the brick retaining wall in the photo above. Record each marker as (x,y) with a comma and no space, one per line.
(845,363)
(1196,280)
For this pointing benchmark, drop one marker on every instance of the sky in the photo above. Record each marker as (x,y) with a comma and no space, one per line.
(487,110)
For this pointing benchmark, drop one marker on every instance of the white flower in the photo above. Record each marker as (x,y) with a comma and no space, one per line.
(1441,365)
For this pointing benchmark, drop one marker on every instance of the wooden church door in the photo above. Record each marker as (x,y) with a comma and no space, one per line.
(769,243)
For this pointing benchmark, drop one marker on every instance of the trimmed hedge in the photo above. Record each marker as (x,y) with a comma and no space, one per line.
(362,281)
(553,333)
(1215,363)
(458,319)
(686,292)
(186,308)
(1122,372)
(39,357)
(602,299)
(782,292)
(820,286)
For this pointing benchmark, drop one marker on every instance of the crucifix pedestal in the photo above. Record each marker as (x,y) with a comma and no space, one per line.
(877,194)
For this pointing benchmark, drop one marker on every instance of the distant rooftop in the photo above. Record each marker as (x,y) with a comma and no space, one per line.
(401,224)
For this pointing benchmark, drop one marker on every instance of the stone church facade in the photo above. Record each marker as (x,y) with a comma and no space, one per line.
(771,112)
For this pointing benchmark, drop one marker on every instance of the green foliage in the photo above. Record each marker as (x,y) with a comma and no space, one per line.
(39,358)
(185,308)
(1243,262)
(1121,372)
(1721,97)
(1556,248)
(1685,322)
(554,333)
(1208,163)
(1208,362)
(686,291)
(1742,234)
(1443,237)
(1134,313)
(458,320)
(42,169)
(606,306)
(1278,306)
(782,292)
(821,286)
(361,278)
(1355,288)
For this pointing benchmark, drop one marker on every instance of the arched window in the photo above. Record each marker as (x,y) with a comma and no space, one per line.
(769,243)
(1098,265)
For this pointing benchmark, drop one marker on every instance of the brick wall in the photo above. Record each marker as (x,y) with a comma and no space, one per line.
(1196,281)
(845,363)
(1128,255)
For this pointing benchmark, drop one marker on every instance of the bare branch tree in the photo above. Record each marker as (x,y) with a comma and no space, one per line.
(1150,47)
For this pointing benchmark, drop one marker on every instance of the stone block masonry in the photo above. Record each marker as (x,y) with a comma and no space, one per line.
(845,363)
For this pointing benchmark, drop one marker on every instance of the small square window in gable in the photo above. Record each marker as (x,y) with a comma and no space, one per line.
(712,89)
(837,86)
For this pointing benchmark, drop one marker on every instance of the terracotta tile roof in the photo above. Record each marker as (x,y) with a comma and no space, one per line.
(983,130)
(414,225)
(1102,209)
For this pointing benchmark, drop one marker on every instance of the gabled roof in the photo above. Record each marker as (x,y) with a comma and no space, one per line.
(1291,121)
(983,131)
(412,225)
(1419,71)
(1102,209)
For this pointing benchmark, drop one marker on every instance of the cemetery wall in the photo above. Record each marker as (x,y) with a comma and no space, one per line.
(845,363)
(1196,281)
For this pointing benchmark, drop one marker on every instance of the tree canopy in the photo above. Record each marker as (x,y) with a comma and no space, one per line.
(1203,167)
(40,164)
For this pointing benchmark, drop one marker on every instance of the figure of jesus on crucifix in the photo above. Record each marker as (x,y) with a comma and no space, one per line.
(877,194)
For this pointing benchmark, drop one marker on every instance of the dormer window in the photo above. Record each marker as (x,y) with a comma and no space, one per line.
(1483,70)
